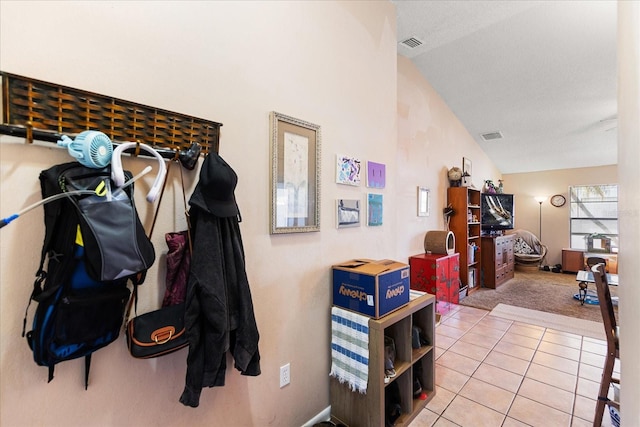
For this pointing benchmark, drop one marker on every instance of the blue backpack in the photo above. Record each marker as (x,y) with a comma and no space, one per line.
(81,286)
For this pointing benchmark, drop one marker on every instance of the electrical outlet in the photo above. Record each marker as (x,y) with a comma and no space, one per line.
(285,375)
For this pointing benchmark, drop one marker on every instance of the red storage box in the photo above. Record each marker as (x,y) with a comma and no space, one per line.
(436,274)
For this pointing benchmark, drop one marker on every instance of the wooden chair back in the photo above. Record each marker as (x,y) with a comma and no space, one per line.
(606,306)
(613,352)
(595,260)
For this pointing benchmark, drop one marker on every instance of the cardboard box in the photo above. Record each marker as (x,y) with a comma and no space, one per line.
(373,288)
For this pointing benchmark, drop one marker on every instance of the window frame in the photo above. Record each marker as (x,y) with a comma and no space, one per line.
(579,203)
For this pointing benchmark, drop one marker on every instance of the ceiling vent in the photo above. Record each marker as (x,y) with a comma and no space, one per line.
(411,42)
(491,136)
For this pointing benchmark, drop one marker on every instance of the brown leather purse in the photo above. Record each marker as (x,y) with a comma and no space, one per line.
(157,333)
(162,331)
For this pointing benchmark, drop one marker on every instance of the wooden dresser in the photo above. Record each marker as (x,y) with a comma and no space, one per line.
(498,263)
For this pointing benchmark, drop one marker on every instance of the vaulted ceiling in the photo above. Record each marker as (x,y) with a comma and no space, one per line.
(541,73)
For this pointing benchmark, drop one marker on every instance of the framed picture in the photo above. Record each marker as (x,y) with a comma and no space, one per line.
(295,175)
(348,213)
(374,210)
(423,201)
(466,166)
(347,170)
(376,175)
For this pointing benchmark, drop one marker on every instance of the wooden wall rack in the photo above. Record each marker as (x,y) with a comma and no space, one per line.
(38,110)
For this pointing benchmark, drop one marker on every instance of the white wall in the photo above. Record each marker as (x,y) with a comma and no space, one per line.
(629,206)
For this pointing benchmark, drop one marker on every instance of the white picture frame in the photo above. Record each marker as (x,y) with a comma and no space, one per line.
(423,201)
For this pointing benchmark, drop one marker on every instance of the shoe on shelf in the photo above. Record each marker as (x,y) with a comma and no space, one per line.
(417,388)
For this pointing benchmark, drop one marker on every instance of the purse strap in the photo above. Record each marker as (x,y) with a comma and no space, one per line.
(133,301)
(184,201)
(164,185)
(186,213)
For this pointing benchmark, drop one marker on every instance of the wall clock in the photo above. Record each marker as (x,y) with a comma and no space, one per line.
(558,200)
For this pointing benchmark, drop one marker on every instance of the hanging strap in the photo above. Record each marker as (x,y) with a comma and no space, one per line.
(184,201)
(87,365)
(186,213)
(164,185)
(134,298)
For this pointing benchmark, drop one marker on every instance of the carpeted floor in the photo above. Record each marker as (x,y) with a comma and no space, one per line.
(538,290)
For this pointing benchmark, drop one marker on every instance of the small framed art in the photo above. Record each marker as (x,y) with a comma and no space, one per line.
(374,210)
(347,170)
(423,201)
(466,166)
(376,175)
(348,213)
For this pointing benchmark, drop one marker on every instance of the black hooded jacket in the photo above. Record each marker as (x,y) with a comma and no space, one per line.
(219,310)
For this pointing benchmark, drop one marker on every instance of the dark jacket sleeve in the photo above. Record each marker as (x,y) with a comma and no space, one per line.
(219,310)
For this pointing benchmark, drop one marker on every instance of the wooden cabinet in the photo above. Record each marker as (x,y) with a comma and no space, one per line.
(572,260)
(465,225)
(367,410)
(436,274)
(497,260)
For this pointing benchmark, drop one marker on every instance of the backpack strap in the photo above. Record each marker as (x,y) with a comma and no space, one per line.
(87,366)
(50,220)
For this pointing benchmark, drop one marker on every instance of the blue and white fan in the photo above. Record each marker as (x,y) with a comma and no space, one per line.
(91,148)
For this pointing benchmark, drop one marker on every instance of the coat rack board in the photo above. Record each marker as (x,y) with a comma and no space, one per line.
(37,110)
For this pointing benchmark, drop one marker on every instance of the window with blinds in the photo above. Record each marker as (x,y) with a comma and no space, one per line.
(594,214)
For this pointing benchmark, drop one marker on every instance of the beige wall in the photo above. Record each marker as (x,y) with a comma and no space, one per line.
(555,221)
(431,140)
(330,63)
(232,63)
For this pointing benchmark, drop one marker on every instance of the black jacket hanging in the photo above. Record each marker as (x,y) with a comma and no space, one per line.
(219,310)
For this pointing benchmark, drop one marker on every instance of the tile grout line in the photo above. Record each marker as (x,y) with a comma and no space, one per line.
(465,383)
(529,363)
(536,351)
(471,375)
(575,392)
(523,377)
(441,415)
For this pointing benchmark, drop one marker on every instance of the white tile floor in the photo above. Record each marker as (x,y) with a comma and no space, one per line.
(494,372)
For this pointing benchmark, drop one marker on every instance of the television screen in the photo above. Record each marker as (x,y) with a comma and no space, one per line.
(497,211)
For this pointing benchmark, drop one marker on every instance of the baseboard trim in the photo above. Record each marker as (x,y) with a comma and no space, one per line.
(323,415)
